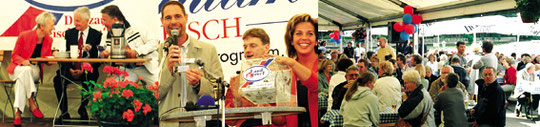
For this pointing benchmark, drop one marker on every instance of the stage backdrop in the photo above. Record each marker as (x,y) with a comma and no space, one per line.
(220,22)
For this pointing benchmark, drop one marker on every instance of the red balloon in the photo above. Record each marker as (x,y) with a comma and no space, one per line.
(336,32)
(398,26)
(336,37)
(408,10)
(416,19)
(409,29)
(332,35)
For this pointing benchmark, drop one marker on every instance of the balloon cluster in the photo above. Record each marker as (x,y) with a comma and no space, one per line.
(335,37)
(409,24)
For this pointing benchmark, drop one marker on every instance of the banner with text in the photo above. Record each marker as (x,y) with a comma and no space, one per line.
(220,22)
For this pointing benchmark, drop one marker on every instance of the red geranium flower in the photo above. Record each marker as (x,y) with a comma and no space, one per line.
(156,94)
(127,93)
(138,105)
(146,109)
(108,69)
(110,82)
(87,67)
(97,95)
(123,84)
(128,115)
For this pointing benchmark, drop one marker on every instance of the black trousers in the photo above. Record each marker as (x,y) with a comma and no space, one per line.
(525,102)
(59,89)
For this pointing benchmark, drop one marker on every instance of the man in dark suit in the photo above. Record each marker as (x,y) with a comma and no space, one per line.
(87,39)
(451,102)
(462,72)
(349,50)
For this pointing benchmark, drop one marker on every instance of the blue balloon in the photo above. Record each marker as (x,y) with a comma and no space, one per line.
(415,28)
(407,19)
(332,40)
(340,36)
(404,36)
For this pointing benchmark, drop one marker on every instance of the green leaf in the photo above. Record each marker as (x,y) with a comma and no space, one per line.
(94,108)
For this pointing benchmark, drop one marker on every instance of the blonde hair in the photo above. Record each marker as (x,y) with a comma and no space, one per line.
(43,19)
(387,67)
(84,12)
(421,69)
(324,63)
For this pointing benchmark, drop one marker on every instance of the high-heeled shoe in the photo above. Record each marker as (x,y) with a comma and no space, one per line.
(17,122)
(37,113)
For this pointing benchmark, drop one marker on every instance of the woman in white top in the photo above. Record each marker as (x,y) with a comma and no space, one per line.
(387,87)
(433,64)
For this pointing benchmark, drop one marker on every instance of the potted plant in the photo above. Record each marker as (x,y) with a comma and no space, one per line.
(121,102)
(529,10)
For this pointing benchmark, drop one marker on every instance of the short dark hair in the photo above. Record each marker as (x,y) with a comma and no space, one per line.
(114,11)
(513,54)
(455,60)
(417,58)
(401,57)
(525,54)
(460,43)
(173,3)
(451,79)
(366,63)
(343,64)
(489,67)
(487,45)
(257,33)
(370,54)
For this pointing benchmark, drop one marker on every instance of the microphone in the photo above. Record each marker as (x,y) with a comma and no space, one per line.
(174,34)
(204,102)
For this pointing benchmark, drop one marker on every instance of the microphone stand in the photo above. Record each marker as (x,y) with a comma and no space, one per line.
(221,84)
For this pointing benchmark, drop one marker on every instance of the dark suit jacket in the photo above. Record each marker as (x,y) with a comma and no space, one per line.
(94,38)
(452,104)
(338,94)
(463,75)
(493,111)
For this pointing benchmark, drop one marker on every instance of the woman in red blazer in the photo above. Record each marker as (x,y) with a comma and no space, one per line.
(30,44)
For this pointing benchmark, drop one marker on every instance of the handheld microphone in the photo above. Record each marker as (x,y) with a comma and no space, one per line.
(174,34)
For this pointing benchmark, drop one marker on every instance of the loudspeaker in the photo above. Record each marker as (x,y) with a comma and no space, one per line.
(393,36)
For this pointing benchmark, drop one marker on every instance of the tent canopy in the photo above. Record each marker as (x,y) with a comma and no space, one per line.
(351,14)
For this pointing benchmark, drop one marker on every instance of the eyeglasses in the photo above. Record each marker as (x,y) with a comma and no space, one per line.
(352,75)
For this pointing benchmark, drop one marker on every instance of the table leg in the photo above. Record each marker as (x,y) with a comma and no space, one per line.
(201,120)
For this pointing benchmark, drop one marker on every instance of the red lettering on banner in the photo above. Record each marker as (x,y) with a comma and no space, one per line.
(204,29)
(68,20)
(58,34)
(194,30)
(194,27)
(237,27)
(94,21)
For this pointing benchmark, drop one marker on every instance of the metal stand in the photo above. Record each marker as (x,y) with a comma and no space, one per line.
(62,80)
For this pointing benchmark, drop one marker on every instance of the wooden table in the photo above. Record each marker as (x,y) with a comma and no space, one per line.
(138,61)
